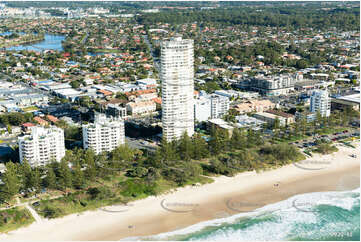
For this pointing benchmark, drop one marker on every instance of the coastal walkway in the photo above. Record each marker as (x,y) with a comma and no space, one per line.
(35,215)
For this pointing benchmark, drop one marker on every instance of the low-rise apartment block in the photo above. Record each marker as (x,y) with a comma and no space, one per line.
(270,118)
(254,106)
(144,107)
(270,85)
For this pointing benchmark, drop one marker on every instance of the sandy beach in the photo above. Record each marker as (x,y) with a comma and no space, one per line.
(190,205)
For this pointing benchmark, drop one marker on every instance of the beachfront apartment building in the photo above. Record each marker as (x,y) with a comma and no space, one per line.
(42,145)
(202,109)
(105,134)
(219,106)
(210,106)
(320,102)
(177,77)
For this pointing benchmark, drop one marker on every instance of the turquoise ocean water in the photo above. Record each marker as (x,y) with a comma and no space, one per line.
(313,216)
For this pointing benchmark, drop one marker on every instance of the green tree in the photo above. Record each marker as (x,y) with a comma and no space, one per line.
(11,182)
(9,129)
(200,147)
(219,140)
(303,125)
(238,140)
(78,178)
(185,147)
(36,179)
(168,151)
(65,176)
(50,179)
(31,177)
(253,138)
(301,64)
(75,84)
(89,158)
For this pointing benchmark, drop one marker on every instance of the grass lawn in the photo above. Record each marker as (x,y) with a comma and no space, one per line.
(292,139)
(326,131)
(348,144)
(30,109)
(76,202)
(325,149)
(14,218)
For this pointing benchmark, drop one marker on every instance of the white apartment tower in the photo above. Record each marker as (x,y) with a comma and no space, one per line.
(177,74)
(219,106)
(105,134)
(320,102)
(202,109)
(42,146)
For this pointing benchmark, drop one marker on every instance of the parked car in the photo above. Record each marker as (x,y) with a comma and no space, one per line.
(35,204)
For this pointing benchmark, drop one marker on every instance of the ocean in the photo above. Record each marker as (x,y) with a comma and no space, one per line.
(333,216)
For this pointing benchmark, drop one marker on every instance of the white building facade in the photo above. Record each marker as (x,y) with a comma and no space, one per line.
(320,102)
(144,107)
(42,146)
(177,76)
(105,134)
(202,109)
(219,106)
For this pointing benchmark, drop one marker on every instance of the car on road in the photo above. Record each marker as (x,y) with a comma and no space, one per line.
(35,204)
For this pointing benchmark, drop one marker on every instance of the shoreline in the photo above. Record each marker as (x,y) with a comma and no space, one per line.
(224,197)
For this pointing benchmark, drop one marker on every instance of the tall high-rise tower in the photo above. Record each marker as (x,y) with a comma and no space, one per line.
(177,74)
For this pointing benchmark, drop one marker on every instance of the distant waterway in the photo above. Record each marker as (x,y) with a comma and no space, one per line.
(50,42)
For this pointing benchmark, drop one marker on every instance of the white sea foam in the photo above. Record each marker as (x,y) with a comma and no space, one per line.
(295,210)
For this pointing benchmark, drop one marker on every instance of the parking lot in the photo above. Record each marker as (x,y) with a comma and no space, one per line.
(331,137)
(137,143)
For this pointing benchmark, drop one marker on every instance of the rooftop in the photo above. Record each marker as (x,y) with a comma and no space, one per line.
(355,98)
